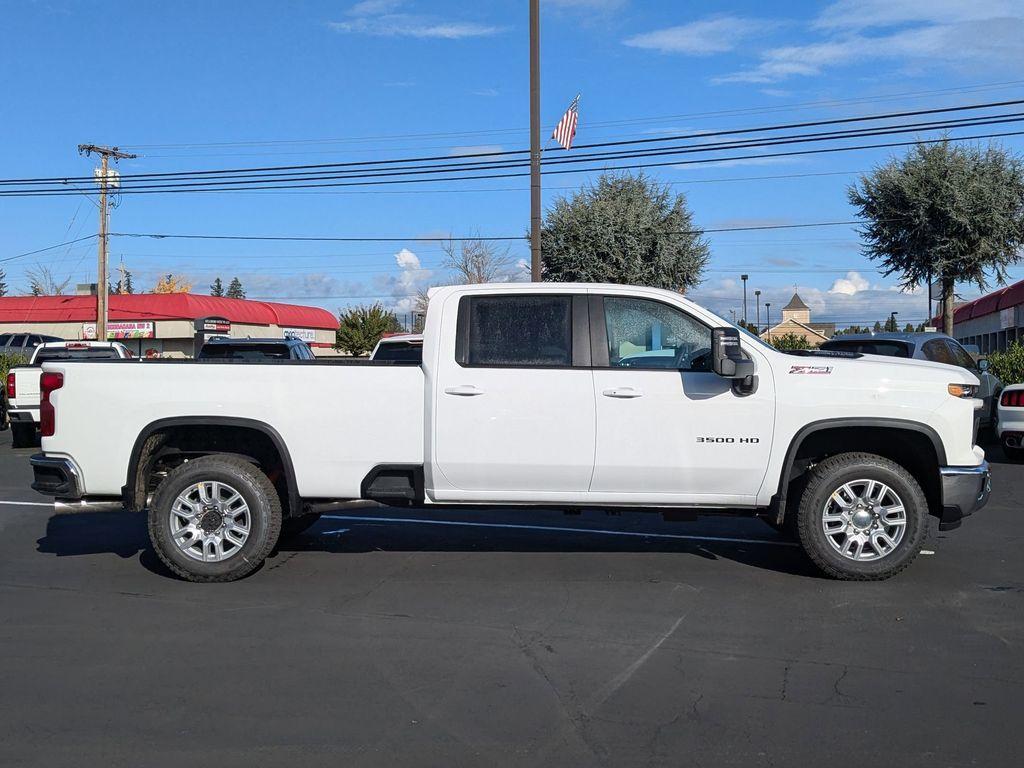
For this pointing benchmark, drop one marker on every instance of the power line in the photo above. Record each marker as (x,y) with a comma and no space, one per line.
(224,173)
(758,156)
(445,238)
(47,248)
(593,124)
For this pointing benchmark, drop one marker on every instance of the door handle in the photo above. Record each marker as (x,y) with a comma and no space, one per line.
(623,393)
(464,390)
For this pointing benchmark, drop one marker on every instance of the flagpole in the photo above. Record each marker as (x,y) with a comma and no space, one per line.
(535,215)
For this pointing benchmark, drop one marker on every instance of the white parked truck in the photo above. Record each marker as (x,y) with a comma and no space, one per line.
(23,381)
(528,395)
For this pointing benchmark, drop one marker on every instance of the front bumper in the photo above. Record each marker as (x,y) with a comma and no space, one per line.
(965,490)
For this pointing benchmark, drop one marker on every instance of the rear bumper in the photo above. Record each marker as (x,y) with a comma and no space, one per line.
(24,416)
(55,476)
(58,477)
(965,490)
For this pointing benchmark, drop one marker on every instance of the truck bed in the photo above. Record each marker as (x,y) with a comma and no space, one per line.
(338,418)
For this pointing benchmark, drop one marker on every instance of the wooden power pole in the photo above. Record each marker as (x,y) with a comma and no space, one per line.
(535,140)
(103,178)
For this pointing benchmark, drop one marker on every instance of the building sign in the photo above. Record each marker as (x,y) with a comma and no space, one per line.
(123,330)
(307,335)
(213,325)
(1006,318)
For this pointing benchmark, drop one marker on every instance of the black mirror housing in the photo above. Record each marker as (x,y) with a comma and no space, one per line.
(726,357)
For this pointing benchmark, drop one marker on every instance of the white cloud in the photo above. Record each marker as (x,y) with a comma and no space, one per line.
(374,7)
(952,34)
(382,18)
(406,259)
(586,5)
(853,283)
(715,34)
(487,92)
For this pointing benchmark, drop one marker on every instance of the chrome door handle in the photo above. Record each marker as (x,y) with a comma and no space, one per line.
(464,390)
(623,393)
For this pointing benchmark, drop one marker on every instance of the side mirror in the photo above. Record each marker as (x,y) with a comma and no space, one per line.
(726,358)
(983,364)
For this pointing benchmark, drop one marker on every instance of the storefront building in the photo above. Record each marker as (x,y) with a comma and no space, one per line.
(992,322)
(168,324)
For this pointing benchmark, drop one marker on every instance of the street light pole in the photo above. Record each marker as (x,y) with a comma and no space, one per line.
(768,318)
(757,306)
(535,140)
(744,279)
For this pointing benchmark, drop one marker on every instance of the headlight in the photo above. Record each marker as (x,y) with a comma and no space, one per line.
(966,391)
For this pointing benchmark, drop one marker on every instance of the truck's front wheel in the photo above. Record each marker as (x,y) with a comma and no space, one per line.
(862,517)
(215,518)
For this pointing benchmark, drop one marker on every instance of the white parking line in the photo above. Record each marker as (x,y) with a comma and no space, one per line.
(563,529)
(28,503)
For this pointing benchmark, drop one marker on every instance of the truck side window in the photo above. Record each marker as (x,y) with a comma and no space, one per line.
(649,334)
(519,331)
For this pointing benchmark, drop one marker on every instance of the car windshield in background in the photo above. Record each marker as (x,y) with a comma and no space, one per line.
(244,352)
(869,347)
(400,353)
(49,355)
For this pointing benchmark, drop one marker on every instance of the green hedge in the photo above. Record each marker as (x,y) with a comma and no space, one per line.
(1008,365)
(10,360)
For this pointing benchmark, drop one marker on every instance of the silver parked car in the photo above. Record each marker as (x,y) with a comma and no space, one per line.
(937,347)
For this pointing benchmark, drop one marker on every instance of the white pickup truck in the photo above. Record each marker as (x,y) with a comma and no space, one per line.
(23,381)
(543,395)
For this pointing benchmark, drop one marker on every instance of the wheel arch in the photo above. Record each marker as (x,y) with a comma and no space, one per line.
(892,438)
(149,443)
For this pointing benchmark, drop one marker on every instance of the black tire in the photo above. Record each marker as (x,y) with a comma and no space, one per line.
(831,474)
(23,435)
(293,526)
(265,518)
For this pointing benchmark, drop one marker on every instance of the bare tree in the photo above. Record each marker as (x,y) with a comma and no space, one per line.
(478,261)
(41,282)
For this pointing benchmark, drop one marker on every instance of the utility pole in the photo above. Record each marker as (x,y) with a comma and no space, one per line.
(757,302)
(768,318)
(744,279)
(535,140)
(103,177)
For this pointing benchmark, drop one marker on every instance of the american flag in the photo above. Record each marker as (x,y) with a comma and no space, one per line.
(565,131)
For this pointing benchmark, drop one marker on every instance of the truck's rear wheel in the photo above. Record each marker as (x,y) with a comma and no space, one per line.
(862,517)
(215,518)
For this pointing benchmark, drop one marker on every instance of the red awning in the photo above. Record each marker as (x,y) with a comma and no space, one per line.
(163,306)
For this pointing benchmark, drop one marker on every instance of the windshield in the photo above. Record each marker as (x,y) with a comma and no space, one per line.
(884,347)
(244,352)
(92,353)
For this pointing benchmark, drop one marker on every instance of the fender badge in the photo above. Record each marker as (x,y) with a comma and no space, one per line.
(811,369)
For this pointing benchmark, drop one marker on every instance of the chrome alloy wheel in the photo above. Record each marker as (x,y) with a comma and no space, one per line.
(210,521)
(864,520)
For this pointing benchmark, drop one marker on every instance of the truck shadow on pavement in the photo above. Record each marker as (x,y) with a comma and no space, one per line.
(412,530)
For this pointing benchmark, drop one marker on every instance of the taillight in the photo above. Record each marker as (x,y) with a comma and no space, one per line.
(11,391)
(48,382)
(1013,398)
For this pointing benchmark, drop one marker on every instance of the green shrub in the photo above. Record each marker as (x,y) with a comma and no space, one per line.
(10,360)
(788,341)
(1008,365)
(360,328)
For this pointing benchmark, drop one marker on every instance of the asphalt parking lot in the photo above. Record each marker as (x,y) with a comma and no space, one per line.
(383,637)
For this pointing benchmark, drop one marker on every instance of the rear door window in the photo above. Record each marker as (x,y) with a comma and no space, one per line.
(515,331)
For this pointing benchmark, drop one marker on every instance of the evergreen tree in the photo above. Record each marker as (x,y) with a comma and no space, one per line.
(360,328)
(909,328)
(126,284)
(944,212)
(217,288)
(878,327)
(623,229)
(3,283)
(235,290)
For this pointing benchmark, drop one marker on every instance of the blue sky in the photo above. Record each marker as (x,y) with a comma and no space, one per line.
(196,85)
